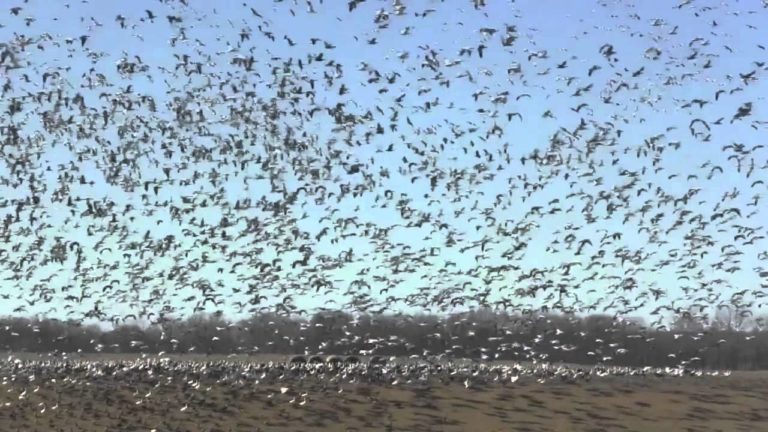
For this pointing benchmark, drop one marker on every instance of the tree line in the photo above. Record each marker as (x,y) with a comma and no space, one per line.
(724,343)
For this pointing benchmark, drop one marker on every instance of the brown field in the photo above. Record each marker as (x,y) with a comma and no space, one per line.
(735,403)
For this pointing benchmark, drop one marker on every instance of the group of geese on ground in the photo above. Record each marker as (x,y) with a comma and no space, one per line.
(379,371)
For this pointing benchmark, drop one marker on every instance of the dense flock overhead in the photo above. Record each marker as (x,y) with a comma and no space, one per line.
(245,164)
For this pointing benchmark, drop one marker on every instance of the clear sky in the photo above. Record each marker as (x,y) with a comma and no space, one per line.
(665,58)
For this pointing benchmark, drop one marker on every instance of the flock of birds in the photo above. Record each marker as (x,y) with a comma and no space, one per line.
(289,157)
(257,170)
(385,371)
(40,393)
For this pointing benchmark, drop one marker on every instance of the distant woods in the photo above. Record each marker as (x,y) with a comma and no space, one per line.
(481,335)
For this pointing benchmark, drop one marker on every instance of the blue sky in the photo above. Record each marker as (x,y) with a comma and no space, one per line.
(567,32)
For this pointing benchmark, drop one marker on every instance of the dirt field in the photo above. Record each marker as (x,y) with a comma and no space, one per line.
(735,403)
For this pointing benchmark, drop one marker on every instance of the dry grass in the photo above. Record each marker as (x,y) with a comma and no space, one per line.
(735,403)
